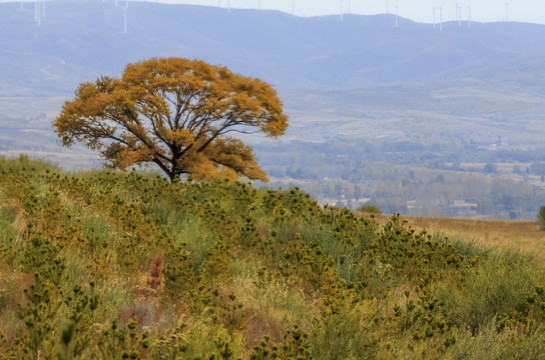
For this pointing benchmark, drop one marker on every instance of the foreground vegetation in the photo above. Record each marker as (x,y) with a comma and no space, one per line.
(110,265)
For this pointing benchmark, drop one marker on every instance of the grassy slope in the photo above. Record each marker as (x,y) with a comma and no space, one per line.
(129,266)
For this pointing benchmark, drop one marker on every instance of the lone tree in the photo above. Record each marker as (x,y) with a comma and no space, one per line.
(176,113)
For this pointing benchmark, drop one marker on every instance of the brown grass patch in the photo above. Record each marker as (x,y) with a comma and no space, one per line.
(259,324)
(12,285)
(15,212)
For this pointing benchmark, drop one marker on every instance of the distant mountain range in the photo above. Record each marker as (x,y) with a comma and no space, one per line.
(81,40)
(354,75)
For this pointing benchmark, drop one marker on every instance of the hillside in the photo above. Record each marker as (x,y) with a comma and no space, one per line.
(110,265)
(361,72)
(77,40)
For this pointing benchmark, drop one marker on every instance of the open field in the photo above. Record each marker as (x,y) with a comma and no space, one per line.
(518,235)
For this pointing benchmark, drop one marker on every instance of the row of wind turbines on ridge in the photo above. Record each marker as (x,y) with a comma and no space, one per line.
(436,24)
(458,15)
(40,12)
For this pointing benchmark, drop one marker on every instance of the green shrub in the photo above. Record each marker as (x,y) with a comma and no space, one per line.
(368,208)
(541,217)
(493,345)
(502,289)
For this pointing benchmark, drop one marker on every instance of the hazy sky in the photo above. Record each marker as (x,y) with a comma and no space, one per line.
(419,10)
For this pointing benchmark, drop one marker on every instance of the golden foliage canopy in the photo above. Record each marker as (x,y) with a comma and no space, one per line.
(176,113)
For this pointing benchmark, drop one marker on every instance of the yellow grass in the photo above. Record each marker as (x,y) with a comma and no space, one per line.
(503,234)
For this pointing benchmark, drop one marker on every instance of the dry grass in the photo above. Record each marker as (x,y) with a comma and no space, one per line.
(519,235)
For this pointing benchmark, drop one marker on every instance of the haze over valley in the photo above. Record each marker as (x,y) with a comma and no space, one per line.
(394,116)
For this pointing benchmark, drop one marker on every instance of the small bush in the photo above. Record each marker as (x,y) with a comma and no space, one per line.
(368,208)
(541,218)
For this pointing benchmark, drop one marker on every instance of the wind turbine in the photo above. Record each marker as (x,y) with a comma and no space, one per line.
(441,18)
(37,12)
(125,17)
(342,10)
(293,7)
(397,22)
(468,15)
(459,14)
(506,11)
(436,6)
